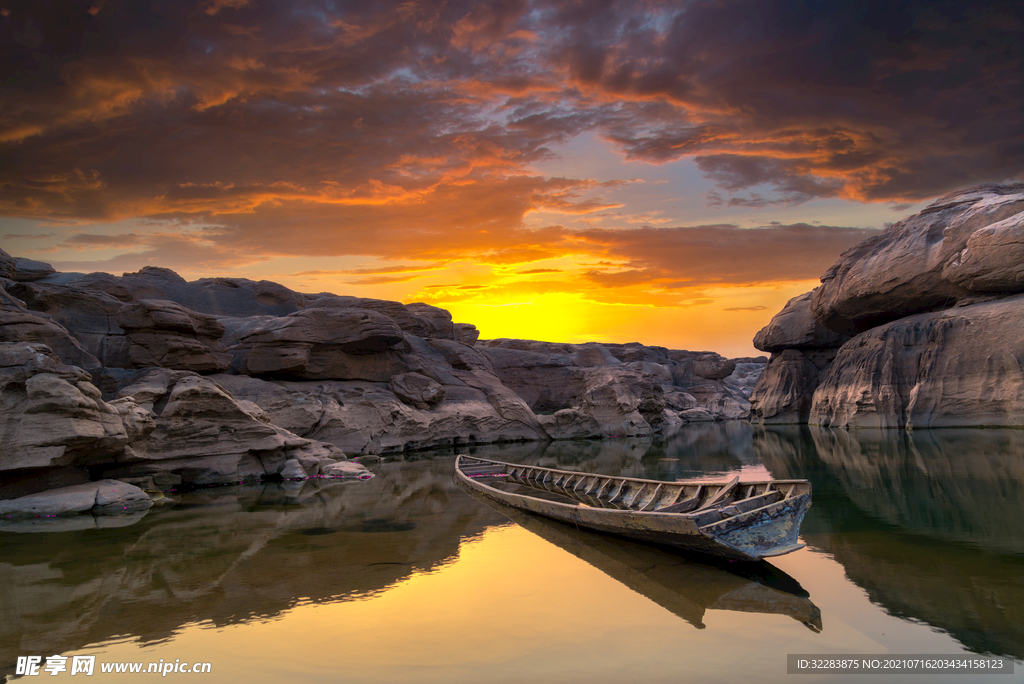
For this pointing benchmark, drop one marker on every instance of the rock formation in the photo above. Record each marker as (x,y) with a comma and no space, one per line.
(162,382)
(934,308)
(802,349)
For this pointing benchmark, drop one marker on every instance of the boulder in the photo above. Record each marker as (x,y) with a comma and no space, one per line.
(322,343)
(105,497)
(992,260)
(293,470)
(421,320)
(417,390)
(28,270)
(163,334)
(466,333)
(956,367)
(189,426)
(347,469)
(19,325)
(919,264)
(795,328)
(52,415)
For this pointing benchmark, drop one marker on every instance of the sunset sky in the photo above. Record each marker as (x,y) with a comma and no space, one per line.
(669,173)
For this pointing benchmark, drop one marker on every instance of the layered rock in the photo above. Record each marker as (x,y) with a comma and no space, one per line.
(593,390)
(293,381)
(321,343)
(961,366)
(167,335)
(936,323)
(189,429)
(7,265)
(20,269)
(19,325)
(52,414)
(368,417)
(90,315)
(802,349)
(926,262)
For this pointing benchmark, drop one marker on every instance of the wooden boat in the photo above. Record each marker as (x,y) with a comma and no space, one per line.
(738,520)
(677,583)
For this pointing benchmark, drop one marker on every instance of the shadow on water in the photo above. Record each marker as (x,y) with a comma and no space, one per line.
(684,585)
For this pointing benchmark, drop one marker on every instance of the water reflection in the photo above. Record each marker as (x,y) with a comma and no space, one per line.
(230,555)
(681,585)
(928,523)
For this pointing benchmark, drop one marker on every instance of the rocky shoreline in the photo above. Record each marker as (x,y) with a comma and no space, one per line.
(114,385)
(155,383)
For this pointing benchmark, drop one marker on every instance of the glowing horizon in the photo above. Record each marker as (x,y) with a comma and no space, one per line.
(666,173)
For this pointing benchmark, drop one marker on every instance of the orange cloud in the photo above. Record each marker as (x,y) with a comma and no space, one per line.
(407,132)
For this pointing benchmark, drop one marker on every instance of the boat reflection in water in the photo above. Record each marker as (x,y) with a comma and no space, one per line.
(678,583)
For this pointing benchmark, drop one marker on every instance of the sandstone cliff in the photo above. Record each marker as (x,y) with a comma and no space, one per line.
(936,318)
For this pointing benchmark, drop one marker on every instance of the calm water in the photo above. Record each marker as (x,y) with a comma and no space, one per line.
(915,545)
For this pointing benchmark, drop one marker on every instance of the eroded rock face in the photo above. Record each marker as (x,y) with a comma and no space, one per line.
(920,264)
(29,270)
(368,417)
(784,390)
(592,390)
(802,350)
(935,332)
(322,343)
(961,366)
(87,314)
(421,320)
(163,334)
(993,260)
(18,325)
(312,376)
(52,414)
(796,328)
(187,425)
(7,265)
(417,390)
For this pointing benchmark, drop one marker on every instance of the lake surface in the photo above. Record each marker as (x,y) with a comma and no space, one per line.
(915,545)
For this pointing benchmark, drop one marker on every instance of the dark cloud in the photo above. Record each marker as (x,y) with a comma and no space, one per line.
(720,254)
(870,100)
(745,308)
(398,129)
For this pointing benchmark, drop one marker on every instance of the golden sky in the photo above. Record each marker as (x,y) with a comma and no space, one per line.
(669,173)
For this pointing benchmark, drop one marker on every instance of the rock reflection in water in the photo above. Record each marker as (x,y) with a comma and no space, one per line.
(684,586)
(928,523)
(230,555)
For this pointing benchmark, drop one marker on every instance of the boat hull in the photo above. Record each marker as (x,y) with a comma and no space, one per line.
(751,536)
